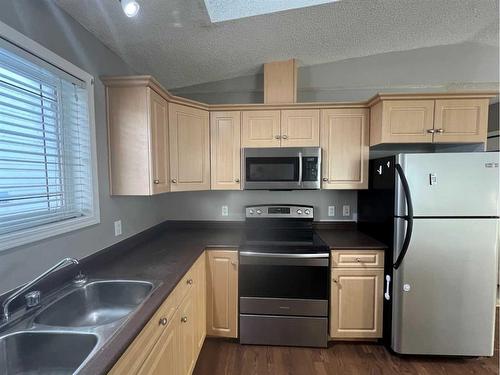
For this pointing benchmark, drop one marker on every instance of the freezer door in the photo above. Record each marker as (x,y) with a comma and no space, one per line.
(450,184)
(444,293)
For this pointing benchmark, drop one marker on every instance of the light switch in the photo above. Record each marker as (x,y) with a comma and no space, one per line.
(225,211)
(346,210)
(331,210)
(118,228)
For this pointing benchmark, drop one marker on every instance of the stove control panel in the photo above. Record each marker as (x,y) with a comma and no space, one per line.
(280,211)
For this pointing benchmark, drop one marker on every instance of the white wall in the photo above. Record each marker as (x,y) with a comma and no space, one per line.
(462,66)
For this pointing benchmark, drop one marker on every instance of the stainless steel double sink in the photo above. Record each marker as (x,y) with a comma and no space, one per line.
(71,325)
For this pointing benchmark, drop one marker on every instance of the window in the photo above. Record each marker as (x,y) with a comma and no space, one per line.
(225,10)
(47,144)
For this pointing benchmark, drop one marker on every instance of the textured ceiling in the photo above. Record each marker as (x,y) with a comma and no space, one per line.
(175,41)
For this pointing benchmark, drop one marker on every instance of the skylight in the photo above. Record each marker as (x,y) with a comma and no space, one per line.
(224,10)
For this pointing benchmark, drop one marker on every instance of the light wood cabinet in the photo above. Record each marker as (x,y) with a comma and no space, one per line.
(357,288)
(280,82)
(461,120)
(345,146)
(164,358)
(225,150)
(429,121)
(138,141)
(300,128)
(189,148)
(171,341)
(260,129)
(222,293)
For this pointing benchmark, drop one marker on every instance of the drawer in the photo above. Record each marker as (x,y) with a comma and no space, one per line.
(357,258)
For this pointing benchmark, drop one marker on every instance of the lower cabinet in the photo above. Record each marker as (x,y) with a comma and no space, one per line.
(357,294)
(222,293)
(171,341)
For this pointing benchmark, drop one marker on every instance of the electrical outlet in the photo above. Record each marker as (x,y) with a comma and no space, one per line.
(346,210)
(225,211)
(118,228)
(331,210)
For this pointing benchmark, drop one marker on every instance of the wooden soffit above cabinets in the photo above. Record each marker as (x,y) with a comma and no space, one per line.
(149,81)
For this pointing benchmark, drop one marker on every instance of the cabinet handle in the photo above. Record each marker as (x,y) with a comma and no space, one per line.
(234,263)
(174,180)
(190,281)
(277,136)
(432,131)
(358,260)
(325,179)
(334,280)
(184,319)
(439,130)
(236,180)
(285,136)
(156,182)
(163,321)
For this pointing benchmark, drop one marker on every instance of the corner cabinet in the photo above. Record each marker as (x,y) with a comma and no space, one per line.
(356,301)
(225,150)
(189,148)
(138,140)
(222,293)
(345,146)
(461,120)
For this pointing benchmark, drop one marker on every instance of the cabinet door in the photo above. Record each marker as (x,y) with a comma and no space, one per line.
(356,303)
(407,121)
(300,128)
(344,142)
(461,120)
(200,302)
(159,143)
(189,148)
(225,150)
(164,358)
(260,129)
(222,296)
(187,346)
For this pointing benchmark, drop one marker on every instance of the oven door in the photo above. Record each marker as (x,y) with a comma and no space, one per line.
(285,276)
(281,168)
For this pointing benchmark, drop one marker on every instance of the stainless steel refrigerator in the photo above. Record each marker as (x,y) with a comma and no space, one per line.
(438,214)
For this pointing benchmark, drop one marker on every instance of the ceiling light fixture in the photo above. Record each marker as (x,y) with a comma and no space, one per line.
(130,7)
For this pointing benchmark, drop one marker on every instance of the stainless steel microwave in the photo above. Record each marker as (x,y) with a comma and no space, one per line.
(283,168)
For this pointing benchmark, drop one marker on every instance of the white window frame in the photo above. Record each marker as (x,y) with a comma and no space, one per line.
(25,236)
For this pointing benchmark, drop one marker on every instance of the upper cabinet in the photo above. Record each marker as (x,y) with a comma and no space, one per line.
(286,128)
(344,142)
(260,129)
(300,128)
(138,140)
(189,148)
(225,150)
(462,120)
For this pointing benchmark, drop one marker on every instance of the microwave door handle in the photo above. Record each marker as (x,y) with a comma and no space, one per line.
(300,168)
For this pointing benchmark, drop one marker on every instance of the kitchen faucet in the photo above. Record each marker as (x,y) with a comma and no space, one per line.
(33,298)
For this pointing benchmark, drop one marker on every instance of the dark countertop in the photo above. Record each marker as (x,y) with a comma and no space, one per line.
(165,253)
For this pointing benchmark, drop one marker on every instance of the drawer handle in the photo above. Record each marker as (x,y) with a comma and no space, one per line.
(190,281)
(163,321)
(358,260)
(184,319)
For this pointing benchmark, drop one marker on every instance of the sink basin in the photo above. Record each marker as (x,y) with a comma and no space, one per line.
(44,352)
(97,303)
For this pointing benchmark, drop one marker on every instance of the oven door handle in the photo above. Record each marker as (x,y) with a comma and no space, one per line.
(284,255)
(300,168)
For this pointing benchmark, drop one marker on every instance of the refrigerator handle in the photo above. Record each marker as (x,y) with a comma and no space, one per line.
(408,217)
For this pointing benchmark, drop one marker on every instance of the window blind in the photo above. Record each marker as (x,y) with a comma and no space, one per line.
(45,149)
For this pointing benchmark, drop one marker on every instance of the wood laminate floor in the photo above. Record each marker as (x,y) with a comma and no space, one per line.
(220,357)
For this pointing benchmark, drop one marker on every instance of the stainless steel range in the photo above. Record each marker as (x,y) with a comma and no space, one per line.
(283,278)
